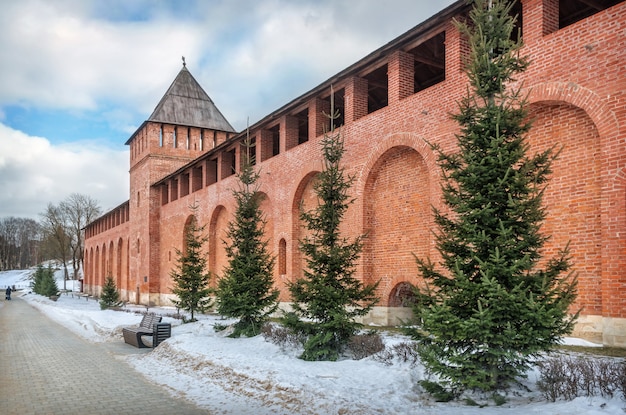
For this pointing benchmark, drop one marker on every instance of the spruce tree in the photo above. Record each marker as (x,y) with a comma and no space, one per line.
(38,279)
(328,298)
(191,280)
(44,282)
(49,283)
(110,296)
(494,303)
(246,289)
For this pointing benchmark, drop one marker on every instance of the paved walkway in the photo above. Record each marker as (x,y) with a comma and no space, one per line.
(47,369)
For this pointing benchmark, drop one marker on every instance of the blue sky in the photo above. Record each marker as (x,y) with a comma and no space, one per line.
(77,77)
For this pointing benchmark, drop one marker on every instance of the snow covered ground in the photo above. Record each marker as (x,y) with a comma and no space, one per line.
(252,376)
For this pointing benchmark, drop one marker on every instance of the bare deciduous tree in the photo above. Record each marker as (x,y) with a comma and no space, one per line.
(19,243)
(56,235)
(63,229)
(80,211)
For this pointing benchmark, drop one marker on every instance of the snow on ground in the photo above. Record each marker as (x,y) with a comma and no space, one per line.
(252,376)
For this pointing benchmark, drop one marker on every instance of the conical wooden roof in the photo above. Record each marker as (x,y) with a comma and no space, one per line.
(186,103)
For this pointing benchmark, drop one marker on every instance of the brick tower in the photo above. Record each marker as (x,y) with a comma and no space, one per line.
(184,125)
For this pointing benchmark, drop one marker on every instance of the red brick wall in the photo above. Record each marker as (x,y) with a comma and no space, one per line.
(576,86)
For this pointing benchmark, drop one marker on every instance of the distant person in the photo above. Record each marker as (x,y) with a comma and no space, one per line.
(8,293)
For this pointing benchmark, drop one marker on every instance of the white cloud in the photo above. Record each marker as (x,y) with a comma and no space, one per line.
(290,47)
(251,56)
(34,173)
(114,60)
(59,57)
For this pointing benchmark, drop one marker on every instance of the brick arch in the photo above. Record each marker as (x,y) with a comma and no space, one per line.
(96,270)
(118,263)
(303,199)
(273,242)
(265,206)
(411,140)
(282,256)
(572,205)
(88,268)
(614,252)
(579,96)
(218,226)
(397,218)
(104,258)
(191,219)
(613,177)
(374,157)
(111,261)
(401,295)
(282,268)
(127,256)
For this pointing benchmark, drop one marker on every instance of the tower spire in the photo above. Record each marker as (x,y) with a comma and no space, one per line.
(184,64)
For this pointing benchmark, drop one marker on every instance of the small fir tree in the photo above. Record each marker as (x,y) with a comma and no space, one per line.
(328,298)
(44,282)
(496,305)
(49,283)
(110,296)
(246,290)
(191,280)
(50,287)
(38,278)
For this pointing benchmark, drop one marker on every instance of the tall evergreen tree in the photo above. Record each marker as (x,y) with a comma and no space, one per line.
(328,298)
(191,280)
(494,303)
(246,290)
(110,296)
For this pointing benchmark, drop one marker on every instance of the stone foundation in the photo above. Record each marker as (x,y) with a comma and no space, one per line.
(388,316)
(608,331)
(589,328)
(614,332)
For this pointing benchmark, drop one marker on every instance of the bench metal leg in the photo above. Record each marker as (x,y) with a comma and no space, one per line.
(140,343)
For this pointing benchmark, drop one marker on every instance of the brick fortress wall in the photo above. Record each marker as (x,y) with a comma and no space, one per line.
(575,85)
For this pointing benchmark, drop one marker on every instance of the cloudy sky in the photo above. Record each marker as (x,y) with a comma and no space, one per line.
(77,77)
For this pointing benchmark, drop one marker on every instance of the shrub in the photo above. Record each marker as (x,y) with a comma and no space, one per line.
(281,336)
(364,345)
(569,377)
(405,352)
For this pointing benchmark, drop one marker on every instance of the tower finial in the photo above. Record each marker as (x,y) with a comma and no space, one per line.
(184,64)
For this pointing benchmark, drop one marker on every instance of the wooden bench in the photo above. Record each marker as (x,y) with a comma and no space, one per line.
(132,335)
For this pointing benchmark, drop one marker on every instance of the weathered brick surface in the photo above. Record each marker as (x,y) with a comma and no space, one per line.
(576,90)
